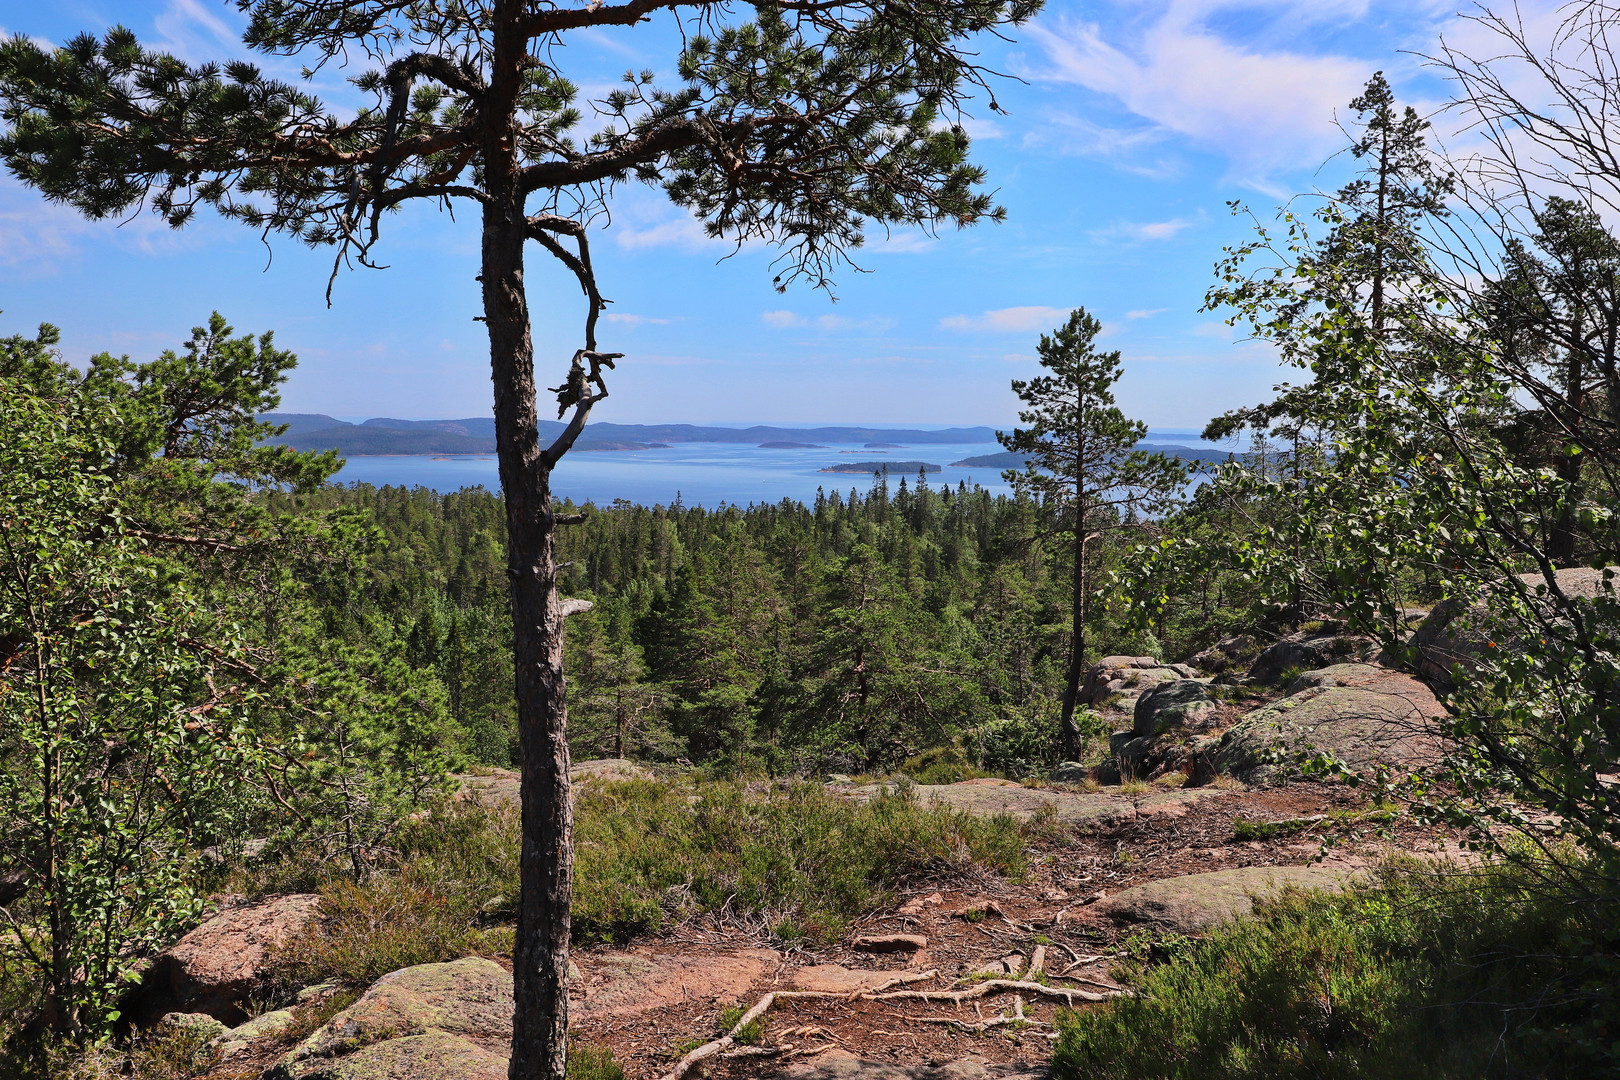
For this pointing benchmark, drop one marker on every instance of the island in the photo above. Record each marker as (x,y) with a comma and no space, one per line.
(883,446)
(1004,460)
(895,468)
(791,446)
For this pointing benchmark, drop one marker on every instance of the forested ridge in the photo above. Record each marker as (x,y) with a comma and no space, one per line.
(845,636)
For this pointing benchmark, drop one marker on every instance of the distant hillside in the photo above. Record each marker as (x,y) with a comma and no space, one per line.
(476,435)
(893,468)
(1007,459)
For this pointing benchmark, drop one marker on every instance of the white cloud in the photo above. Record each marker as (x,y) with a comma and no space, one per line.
(1145,313)
(1013,320)
(904,242)
(1136,150)
(781,319)
(626,319)
(1265,107)
(682,232)
(1139,231)
(839,322)
(194,32)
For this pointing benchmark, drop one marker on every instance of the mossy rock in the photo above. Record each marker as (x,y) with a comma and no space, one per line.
(432,1055)
(1360,715)
(1196,902)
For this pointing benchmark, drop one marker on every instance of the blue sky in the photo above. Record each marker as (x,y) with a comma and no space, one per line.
(1136,121)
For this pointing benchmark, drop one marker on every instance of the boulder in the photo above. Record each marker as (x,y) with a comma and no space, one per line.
(1309,650)
(1148,757)
(1225,653)
(203,1026)
(1196,902)
(1183,703)
(1114,681)
(268,1025)
(216,966)
(1362,715)
(1454,633)
(432,1055)
(1070,772)
(466,1005)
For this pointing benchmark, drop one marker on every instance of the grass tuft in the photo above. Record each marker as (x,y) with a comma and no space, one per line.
(592,1063)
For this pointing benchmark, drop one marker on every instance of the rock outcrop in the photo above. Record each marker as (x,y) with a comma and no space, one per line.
(1183,704)
(1309,650)
(433,1022)
(1115,683)
(1225,654)
(1364,716)
(1454,633)
(1196,902)
(454,1021)
(215,967)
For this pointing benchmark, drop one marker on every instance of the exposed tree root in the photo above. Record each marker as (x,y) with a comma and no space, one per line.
(724,1044)
(992,986)
(727,1041)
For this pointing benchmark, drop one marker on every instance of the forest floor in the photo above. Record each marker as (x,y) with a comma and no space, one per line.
(666,993)
(1128,841)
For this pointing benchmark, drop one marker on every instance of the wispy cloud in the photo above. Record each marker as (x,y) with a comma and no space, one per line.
(841,322)
(781,319)
(680,232)
(1145,313)
(1139,150)
(626,319)
(1267,103)
(195,32)
(1013,320)
(1141,231)
(903,242)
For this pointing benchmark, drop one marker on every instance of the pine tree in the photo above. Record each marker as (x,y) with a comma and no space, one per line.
(1081,465)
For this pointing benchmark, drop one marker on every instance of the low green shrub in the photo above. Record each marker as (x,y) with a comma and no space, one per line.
(592,1063)
(1423,976)
(940,765)
(646,852)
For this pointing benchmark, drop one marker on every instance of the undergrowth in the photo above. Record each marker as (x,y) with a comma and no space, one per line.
(646,853)
(1463,975)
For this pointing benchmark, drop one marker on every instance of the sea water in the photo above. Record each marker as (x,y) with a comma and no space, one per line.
(701,474)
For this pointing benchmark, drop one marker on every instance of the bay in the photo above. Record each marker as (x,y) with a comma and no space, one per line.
(701,474)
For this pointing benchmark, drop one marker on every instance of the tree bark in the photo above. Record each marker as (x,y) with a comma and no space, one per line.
(540,954)
(1069,733)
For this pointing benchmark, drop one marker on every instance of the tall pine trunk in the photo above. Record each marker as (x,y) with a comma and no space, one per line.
(1070,733)
(540,954)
